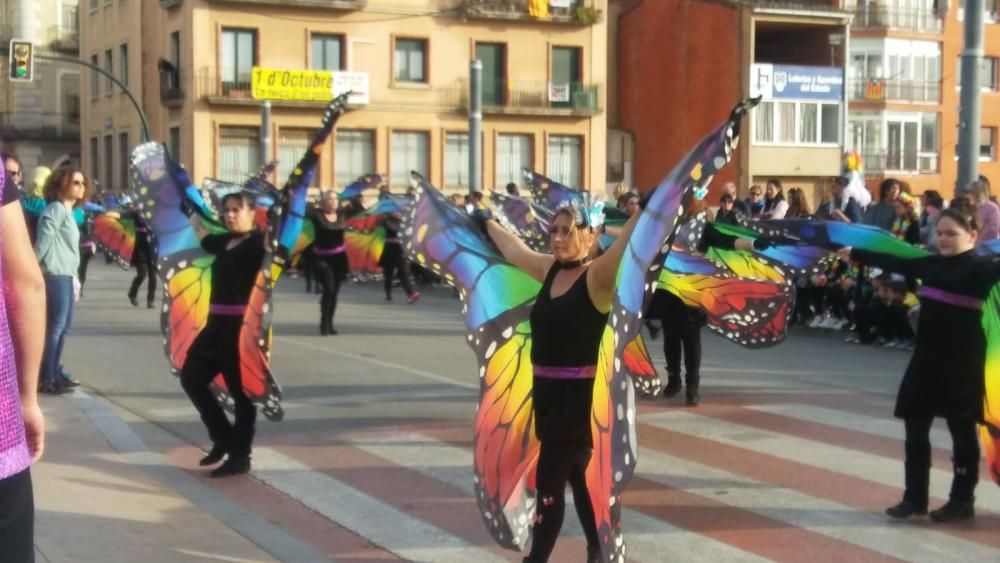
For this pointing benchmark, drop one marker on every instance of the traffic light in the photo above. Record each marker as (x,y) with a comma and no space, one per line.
(21,61)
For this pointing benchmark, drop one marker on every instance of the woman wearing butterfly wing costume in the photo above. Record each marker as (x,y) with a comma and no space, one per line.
(567,321)
(238,257)
(946,375)
(329,257)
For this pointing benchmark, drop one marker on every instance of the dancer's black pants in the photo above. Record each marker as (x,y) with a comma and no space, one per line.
(965,458)
(396,268)
(216,351)
(682,332)
(86,253)
(330,274)
(143,268)
(17,519)
(558,464)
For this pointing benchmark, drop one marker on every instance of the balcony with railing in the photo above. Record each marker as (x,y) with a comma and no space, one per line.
(171,92)
(874,16)
(316,4)
(881,90)
(61,38)
(910,161)
(520,97)
(44,126)
(576,12)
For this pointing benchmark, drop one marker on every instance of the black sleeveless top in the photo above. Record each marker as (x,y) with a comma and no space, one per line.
(566,333)
(328,234)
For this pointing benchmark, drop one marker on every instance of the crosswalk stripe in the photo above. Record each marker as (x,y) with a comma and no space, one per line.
(377,521)
(645,537)
(884,427)
(843,523)
(845,461)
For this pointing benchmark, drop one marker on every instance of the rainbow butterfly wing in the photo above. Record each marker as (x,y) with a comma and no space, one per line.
(796,259)
(359,186)
(284,229)
(445,237)
(613,422)
(833,235)
(640,368)
(549,193)
(116,236)
(365,240)
(989,432)
(752,313)
(186,297)
(497,299)
(364,250)
(528,221)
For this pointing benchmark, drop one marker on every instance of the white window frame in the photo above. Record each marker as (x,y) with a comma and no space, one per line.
(884,119)
(341,154)
(455,175)
(776,125)
(554,174)
(423,168)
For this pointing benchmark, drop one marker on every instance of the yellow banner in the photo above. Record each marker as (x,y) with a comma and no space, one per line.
(300,85)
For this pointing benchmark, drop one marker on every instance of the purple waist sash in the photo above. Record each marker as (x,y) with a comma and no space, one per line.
(230,310)
(330,251)
(392,239)
(141,230)
(950,298)
(579,372)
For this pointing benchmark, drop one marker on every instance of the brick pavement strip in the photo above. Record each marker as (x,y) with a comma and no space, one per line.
(102,496)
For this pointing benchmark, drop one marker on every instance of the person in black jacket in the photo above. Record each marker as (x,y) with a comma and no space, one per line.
(946,374)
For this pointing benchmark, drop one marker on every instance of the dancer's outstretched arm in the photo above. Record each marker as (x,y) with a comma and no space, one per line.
(604,271)
(536,264)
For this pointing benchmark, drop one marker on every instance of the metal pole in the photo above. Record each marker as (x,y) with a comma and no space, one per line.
(475,126)
(969,111)
(108,75)
(265,132)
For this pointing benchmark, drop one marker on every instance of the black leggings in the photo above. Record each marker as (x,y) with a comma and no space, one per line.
(681,332)
(86,253)
(965,457)
(143,268)
(399,268)
(17,518)
(198,372)
(329,276)
(558,464)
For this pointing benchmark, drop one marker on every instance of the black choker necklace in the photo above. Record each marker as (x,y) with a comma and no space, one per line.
(571,264)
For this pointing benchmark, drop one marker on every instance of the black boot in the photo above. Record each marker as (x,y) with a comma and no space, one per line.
(324,323)
(960,505)
(954,511)
(673,385)
(692,382)
(905,509)
(918,479)
(133,299)
(214,456)
(234,465)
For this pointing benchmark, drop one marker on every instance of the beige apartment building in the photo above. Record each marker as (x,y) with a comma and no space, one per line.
(190,62)
(40,120)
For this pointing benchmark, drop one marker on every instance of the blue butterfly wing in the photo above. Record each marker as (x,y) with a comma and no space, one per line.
(445,239)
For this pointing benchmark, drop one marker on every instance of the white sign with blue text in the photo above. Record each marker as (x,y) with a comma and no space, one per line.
(787,82)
